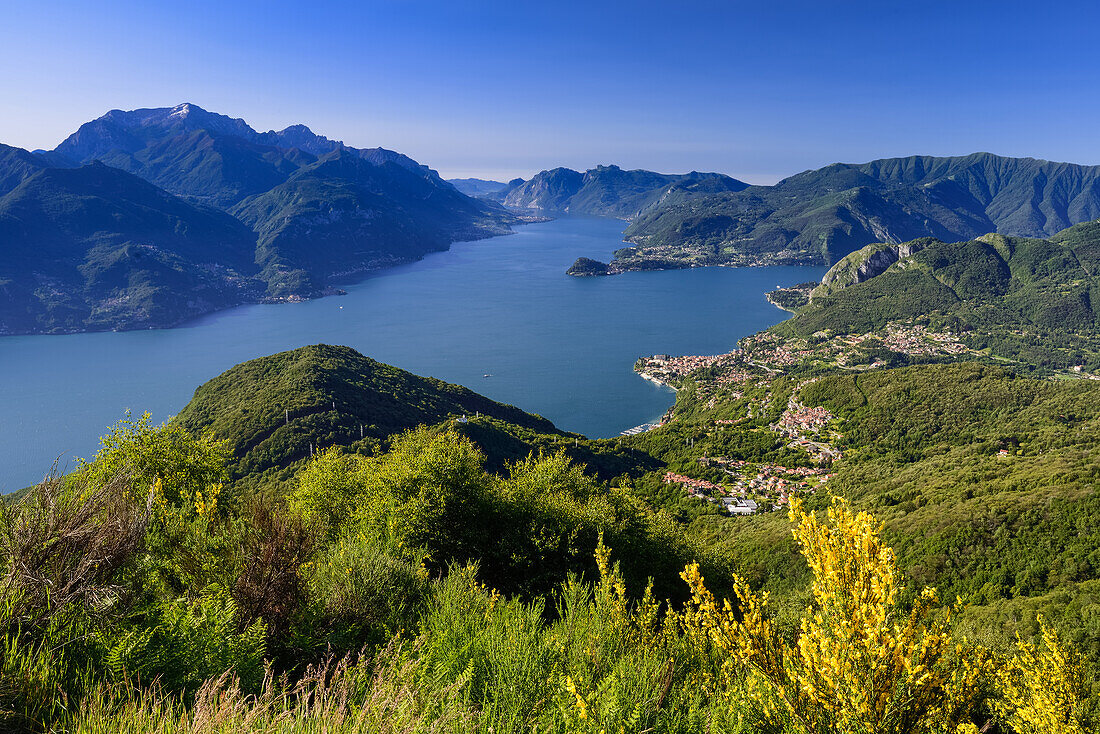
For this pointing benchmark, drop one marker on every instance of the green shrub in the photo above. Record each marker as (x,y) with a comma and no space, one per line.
(184,643)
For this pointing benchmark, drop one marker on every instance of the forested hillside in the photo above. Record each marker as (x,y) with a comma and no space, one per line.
(275,412)
(1028,300)
(97,248)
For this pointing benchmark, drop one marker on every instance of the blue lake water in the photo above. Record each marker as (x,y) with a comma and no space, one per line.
(559,346)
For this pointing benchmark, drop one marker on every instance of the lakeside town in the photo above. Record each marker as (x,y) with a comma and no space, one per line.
(767,353)
(669,371)
(763,486)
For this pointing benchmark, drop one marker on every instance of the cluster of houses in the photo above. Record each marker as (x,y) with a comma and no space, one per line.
(714,493)
(773,350)
(668,370)
(822,452)
(913,340)
(804,425)
(916,339)
(753,487)
(799,418)
(695,485)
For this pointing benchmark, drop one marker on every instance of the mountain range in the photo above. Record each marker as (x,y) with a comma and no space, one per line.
(606,191)
(817,217)
(149,217)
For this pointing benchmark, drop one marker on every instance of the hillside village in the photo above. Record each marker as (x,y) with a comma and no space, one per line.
(850,351)
(752,487)
(761,486)
(748,374)
(768,353)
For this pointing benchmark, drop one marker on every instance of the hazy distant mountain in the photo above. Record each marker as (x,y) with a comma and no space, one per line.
(476,186)
(817,217)
(98,248)
(319,211)
(603,191)
(16,165)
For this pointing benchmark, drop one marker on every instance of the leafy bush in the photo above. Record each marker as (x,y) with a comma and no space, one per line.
(365,590)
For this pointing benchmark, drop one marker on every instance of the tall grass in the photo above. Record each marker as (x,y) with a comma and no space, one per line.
(337,697)
(478,662)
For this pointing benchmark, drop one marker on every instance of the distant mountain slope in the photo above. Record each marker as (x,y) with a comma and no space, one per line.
(344,214)
(817,217)
(96,248)
(476,186)
(603,191)
(321,212)
(211,167)
(16,165)
(272,409)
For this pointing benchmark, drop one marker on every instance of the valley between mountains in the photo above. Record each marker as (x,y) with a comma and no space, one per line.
(149,218)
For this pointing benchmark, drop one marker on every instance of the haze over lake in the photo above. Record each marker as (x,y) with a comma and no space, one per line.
(499,316)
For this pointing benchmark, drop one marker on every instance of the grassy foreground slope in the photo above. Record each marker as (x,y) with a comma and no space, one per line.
(402,582)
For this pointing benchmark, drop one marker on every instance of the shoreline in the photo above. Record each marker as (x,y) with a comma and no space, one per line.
(353,276)
(780,306)
(663,376)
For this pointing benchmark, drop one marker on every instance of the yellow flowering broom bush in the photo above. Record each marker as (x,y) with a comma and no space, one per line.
(861,664)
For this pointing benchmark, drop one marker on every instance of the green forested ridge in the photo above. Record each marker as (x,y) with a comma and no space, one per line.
(817,217)
(1032,300)
(271,410)
(319,213)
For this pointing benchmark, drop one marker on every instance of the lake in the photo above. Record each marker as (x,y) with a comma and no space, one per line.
(498,316)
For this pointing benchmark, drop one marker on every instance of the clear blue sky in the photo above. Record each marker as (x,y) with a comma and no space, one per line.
(758,90)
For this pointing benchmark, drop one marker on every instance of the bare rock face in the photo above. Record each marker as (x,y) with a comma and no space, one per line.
(865,264)
(548,191)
